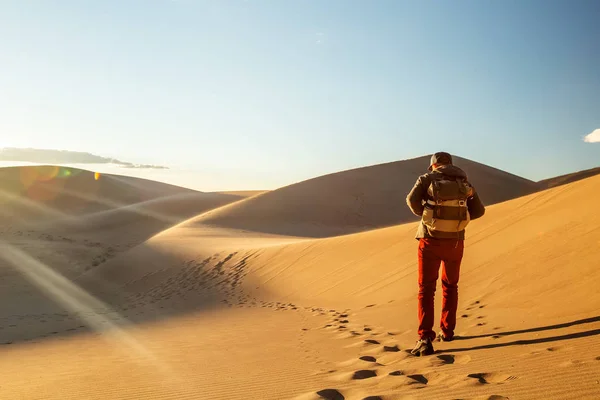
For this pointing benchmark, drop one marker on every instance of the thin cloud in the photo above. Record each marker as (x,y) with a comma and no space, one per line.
(45,156)
(593,137)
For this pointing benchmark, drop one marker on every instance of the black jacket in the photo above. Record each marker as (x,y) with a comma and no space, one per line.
(418,196)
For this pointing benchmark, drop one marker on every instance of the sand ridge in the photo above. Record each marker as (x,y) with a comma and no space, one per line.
(352,201)
(569,178)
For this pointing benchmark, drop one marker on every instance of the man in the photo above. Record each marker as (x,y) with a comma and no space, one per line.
(446,202)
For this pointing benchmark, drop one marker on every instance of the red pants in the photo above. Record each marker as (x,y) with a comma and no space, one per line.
(432,253)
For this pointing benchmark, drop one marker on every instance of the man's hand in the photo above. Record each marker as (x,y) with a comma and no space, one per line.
(415,199)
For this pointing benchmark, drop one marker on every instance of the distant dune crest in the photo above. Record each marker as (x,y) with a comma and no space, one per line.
(569,178)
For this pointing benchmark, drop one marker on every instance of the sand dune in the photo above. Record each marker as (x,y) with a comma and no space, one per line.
(354,200)
(77,220)
(57,223)
(134,223)
(209,309)
(244,193)
(73,191)
(569,178)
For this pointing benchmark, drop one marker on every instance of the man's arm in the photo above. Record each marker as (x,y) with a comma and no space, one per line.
(416,196)
(476,207)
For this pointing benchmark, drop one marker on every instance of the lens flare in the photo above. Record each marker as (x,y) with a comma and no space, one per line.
(28,176)
(47,173)
(65,173)
(35,180)
(66,293)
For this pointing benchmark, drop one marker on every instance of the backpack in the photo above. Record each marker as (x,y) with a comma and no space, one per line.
(446,208)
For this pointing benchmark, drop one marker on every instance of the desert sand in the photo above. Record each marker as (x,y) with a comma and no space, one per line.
(116,288)
(245,193)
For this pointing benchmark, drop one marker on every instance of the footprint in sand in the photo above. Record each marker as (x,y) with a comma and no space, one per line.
(364,374)
(487,378)
(396,373)
(373,398)
(462,359)
(371,341)
(368,358)
(450,359)
(330,394)
(446,359)
(418,378)
(392,349)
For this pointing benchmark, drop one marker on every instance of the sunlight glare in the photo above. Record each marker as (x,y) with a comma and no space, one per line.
(79,301)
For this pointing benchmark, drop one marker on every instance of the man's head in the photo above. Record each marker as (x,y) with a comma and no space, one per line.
(439,159)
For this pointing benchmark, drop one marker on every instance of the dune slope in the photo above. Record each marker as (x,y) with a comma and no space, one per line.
(569,178)
(39,190)
(354,200)
(244,193)
(78,220)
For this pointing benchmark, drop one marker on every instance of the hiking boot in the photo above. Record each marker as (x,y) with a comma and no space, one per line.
(424,347)
(443,338)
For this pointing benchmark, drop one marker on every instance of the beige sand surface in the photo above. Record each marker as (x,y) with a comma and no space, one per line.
(245,193)
(208,310)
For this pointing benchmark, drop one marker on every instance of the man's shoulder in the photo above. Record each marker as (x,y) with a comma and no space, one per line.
(426,176)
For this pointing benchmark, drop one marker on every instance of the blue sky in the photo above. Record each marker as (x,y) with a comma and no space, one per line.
(265,93)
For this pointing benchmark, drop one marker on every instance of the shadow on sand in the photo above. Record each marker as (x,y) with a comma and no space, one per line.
(538,329)
(577,335)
